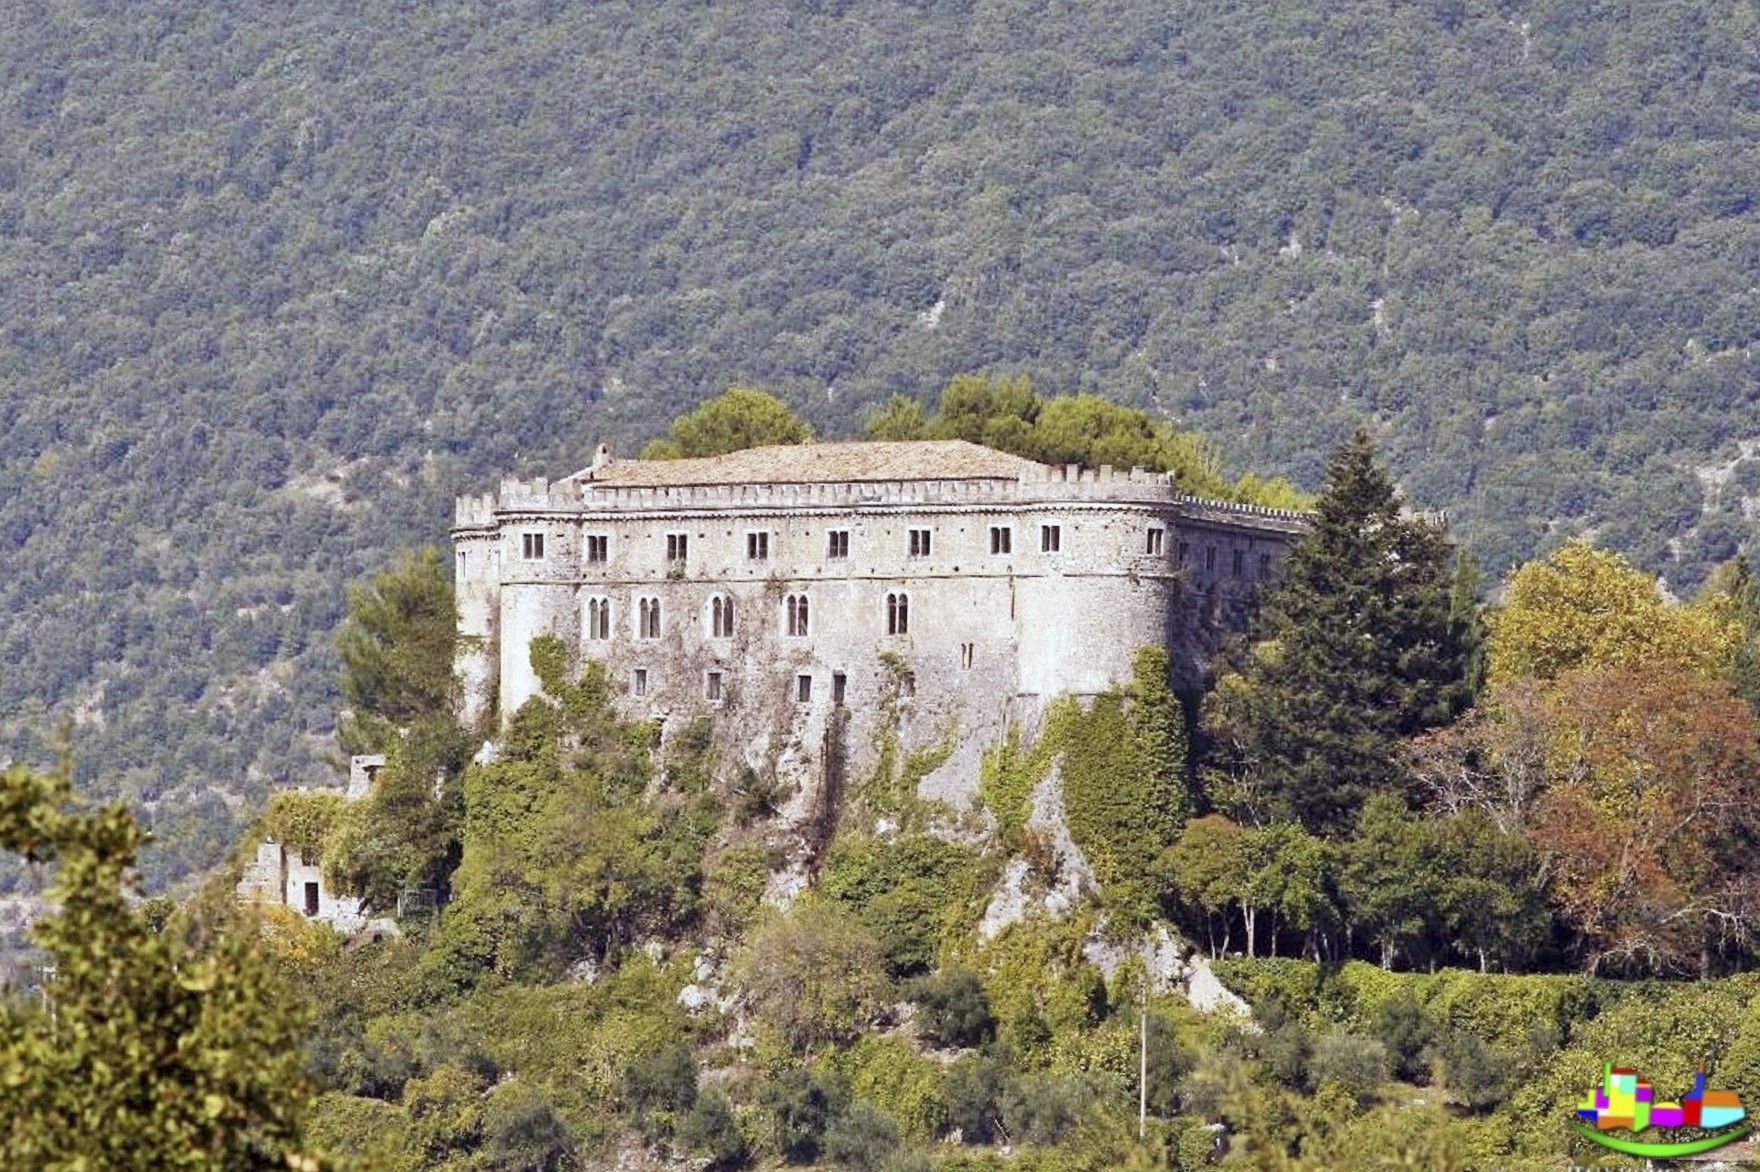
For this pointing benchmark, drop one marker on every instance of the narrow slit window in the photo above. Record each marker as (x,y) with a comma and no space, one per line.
(1264,565)
(311,899)
(1209,559)
(1050,538)
(967,654)
(532,546)
(1001,539)
(1185,552)
(1237,563)
(839,687)
(639,682)
(803,689)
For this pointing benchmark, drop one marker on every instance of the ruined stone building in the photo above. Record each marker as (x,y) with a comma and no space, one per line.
(779,588)
(280,874)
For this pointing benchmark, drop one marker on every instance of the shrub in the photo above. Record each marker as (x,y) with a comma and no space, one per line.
(910,892)
(712,1130)
(800,1104)
(1474,1075)
(974,1092)
(861,1139)
(887,1072)
(522,1133)
(1356,1063)
(814,975)
(1402,1026)
(952,1008)
(1039,1109)
(664,1080)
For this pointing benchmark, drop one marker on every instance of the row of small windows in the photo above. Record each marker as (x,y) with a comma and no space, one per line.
(797,617)
(921,545)
(715,686)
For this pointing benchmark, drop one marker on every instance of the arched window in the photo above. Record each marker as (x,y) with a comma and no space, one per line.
(648,619)
(599,618)
(797,615)
(898,614)
(721,617)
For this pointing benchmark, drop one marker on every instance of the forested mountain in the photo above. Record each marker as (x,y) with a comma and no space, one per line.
(276,279)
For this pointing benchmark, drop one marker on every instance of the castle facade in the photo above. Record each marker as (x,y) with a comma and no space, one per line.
(962,586)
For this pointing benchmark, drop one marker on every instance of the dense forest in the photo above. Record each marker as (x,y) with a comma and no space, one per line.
(277,279)
(1491,836)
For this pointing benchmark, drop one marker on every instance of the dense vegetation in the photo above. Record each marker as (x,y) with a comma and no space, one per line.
(631,959)
(278,278)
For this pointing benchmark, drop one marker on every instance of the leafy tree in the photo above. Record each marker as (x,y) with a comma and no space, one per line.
(737,418)
(1491,901)
(1736,583)
(801,1105)
(1647,827)
(396,648)
(1394,871)
(1356,649)
(147,1050)
(1586,607)
(1207,871)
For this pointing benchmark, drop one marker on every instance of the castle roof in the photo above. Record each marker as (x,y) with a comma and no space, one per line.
(820,463)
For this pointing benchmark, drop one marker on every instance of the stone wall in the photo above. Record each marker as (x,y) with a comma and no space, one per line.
(997,627)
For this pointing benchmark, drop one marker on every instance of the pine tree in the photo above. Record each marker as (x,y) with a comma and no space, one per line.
(1361,642)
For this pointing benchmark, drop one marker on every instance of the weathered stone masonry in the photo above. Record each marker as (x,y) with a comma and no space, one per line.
(768,586)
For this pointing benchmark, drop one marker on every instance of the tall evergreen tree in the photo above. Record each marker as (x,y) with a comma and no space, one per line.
(1359,644)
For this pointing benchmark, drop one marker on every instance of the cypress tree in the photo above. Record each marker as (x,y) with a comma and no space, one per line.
(1361,643)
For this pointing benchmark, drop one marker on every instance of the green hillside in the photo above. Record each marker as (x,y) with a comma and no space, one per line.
(277,279)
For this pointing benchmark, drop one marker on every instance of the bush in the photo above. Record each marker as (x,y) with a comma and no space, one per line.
(712,1130)
(887,1072)
(813,975)
(1474,1075)
(861,1139)
(665,1080)
(801,1104)
(974,1093)
(952,1008)
(1401,1025)
(1039,1109)
(910,892)
(522,1133)
(1356,1063)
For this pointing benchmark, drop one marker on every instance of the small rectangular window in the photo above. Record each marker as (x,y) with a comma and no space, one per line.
(758,547)
(920,543)
(1001,539)
(837,544)
(1185,552)
(598,547)
(311,899)
(712,687)
(1050,538)
(639,682)
(803,689)
(532,546)
(1264,565)
(967,653)
(1237,563)
(461,565)
(907,685)
(1209,559)
(1156,536)
(839,686)
(677,546)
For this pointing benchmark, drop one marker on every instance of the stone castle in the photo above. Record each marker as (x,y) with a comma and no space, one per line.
(959,587)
